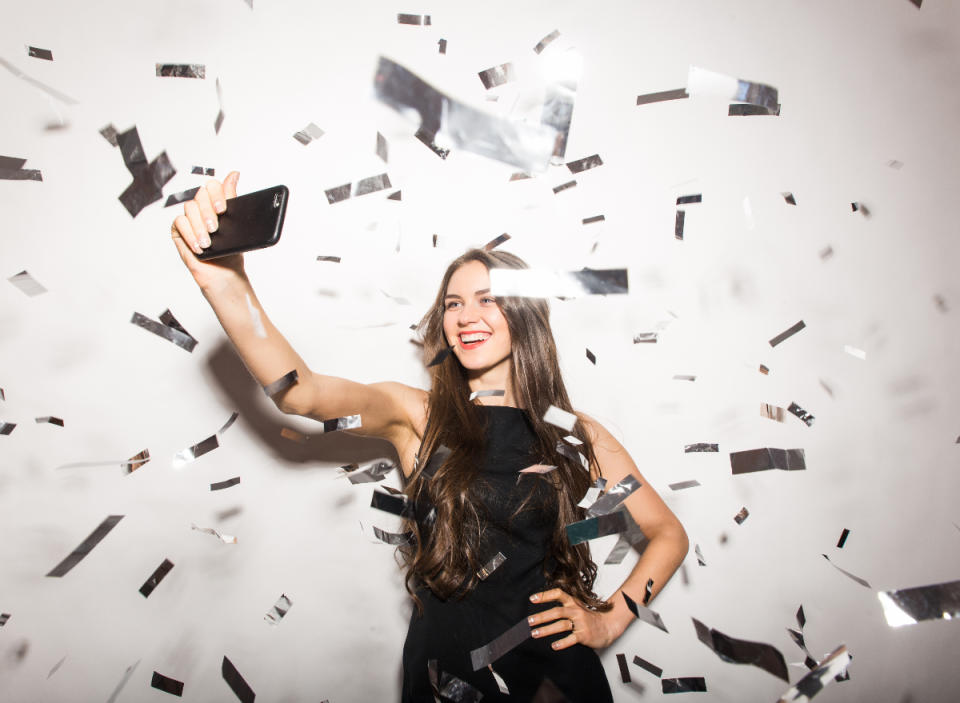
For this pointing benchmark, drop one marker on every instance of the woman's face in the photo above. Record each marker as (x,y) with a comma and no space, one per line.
(473,323)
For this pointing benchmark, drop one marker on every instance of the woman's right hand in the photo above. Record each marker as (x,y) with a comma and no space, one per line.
(192,230)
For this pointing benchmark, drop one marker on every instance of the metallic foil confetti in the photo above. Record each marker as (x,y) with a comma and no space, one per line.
(487,394)
(166,684)
(861,208)
(278,610)
(811,684)
(645,338)
(92,540)
(442,44)
(648,592)
(226,539)
(560,418)
(181,197)
(185,456)
(57,666)
(392,538)
(350,422)
(788,197)
(591,220)
(308,134)
(497,75)
(47,419)
(853,351)
(806,417)
(537,469)
(539,283)
(495,561)
(241,689)
(181,70)
(372,185)
(36,53)
(148,179)
(288,380)
(332,259)
(226,426)
(489,653)
(908,606)
(396,505)
(690,199)
(684,377)
(543,43)
(522,145)
(382,148)
(663,96)
(426,139)
(772,412)
(220,485)
(644,613)
(167,318)
(441,356)
(218,121)
(652,668)
(613,498)
(624,668)
(678,224)
(495,242)
(570,439)
(740,517)
(767,458)
(27,284)
(743,110)
(520,176)
(703,82)
(557,111)
(373,473)
(451,688)
(2,396)
(593,492)
(123,682)
(786,334)
(764,370)
(203,171)
(700,447)
(846,573)
(412,19)
(594,527)
(585,163)
(573,455)
(564,186)
(4,617)
(700,560)
(730,649)
(688,684)
(684,484)
(917,3)
(619,551)
(591,357)
(52,92)
(155,578)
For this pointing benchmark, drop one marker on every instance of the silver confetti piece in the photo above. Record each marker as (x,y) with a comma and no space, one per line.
(789,198)
(47,419)
(497,75)
(591,220)
(703,82)
(686,684)
(663,96)
(564,186)
(495,242)
(241,689)
(171,334)
(624,668)
(181,197)
(537,469)
(700,447)
(690,199)
(288,380)
(594,527)
(52,92)
(203,171)
(591,357)
(92,540)
(741,516)
(804,416)
(167,318)
(382,148)
(372,185)
(573,455)
(221,115)
(181,70)
(501,684)
(226,426)
(4,617)
(539,283)
(786,334)
(772,412)
(564,69)
(489,653)
(747,110)
(730,649)
(767,458)
(442,46)
(57,666)
(593,492)
(543,43)
(908,606)
(487,394)
(560,418)
(185,456)
(417,20)
(392,538)
(678,224)
(278,610)
(123,681)
(166,684)
(644,613)
(612,499)
(226,539)
(27,284)
(155,578)
(37,53)
(373,473)
(350,422)
(644,664)
(684,484)
(585,163)
(308,134)
(492,565)
(700,560)
(684,377)
(811,684)
(229,483)
(846,573)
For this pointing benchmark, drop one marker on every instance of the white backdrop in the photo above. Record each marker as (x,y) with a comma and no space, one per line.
(861,84)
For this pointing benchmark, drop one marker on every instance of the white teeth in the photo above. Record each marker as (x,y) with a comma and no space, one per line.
(474,337)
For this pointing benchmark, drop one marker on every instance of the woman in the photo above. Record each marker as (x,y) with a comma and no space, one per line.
(462,447)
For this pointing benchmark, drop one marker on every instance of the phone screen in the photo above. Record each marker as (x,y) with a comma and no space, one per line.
(251,221)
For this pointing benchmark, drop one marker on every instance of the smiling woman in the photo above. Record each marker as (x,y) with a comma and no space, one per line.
(489,548)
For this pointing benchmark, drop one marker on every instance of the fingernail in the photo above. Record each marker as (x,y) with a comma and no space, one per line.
(205,242)
(534,597)
(535,633)
(555,645)
(197,249)
(530,620)
(211,224)
(218,206)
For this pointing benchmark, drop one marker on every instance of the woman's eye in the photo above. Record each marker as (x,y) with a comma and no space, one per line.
(488,299)
(452,304)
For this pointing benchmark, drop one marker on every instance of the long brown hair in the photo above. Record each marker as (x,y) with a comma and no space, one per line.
(443,553)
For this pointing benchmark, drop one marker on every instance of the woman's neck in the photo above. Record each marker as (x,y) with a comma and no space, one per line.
(496,378)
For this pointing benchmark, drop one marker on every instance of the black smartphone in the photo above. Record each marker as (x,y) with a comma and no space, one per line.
(252,221)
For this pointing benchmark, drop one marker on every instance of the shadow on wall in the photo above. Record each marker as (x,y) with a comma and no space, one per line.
(243,393)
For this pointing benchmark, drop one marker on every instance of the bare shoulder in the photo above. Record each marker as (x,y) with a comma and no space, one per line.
(599,435)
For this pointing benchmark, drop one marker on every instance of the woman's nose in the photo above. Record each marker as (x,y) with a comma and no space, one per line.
(468,313)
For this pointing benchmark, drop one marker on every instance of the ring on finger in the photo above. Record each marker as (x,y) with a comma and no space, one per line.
(573,625)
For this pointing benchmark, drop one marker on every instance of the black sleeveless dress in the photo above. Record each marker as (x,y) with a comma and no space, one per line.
(448,630)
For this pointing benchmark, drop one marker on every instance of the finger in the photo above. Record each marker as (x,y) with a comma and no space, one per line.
(186,253)
(203,201)
(554,628)
(554,594)
(548,615)
(217,198)
(565,642)
(192,211)
(230,184)
(184,226)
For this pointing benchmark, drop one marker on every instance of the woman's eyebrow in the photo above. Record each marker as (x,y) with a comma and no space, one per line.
(479,292)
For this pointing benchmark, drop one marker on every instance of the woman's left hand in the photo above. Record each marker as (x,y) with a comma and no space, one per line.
(584,626)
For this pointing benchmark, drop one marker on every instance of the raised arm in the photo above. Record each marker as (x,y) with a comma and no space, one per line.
(390,410)
(663,555)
